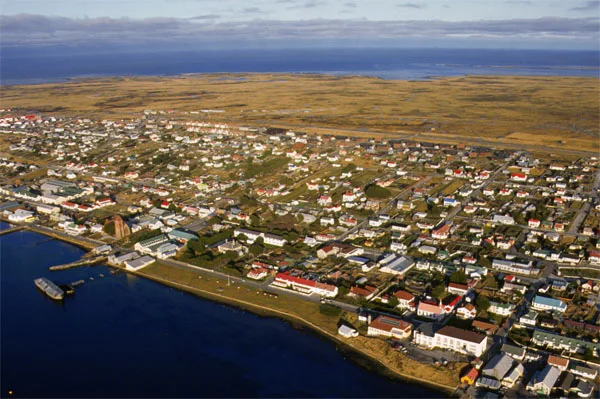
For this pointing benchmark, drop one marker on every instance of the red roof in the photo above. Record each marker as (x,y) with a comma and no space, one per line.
(404,295)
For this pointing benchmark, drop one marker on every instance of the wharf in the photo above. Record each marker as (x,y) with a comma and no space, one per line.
(82,262)
(11,230)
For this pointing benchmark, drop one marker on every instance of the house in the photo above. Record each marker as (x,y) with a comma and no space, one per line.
(559,362)
(442,232)
(499,366)
(258,273)
(529,319)
(543,381)
(488,328)
(502,309)
(430,310)
(585,372)
(363,293)
(390,327)
(452,338)
(516,352)
(470,377)
(467,312)
(546,303)
(459,289)
(406,300)
(513,376)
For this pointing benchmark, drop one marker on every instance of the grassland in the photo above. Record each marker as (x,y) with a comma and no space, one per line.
(555,112)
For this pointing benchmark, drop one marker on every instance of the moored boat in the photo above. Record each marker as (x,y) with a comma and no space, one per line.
(49,288)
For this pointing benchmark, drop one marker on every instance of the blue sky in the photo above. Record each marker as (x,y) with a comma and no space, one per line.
(543,23)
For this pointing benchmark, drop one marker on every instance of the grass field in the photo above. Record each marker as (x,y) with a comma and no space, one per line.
(559,112)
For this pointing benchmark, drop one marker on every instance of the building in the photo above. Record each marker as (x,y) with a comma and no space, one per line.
(347,332)
(304,286)
(406,300)
(499,366)
(452,338)
(390,327)
(138,263)
(546,303)
(459,289)
(561,342)
(529,318)
(399,266)
(470,377)
(516,352)
(502,309)
(543,381)
(560,363)
(430,310)
(467,312)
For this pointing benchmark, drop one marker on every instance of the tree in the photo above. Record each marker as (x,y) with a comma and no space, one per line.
(482,302)
(375,191)
(438,290)
(196,245)
(393,301)
(491,282)
(259,241)
(256,249)
(458,277)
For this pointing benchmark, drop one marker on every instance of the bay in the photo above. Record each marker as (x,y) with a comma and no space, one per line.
(124,336)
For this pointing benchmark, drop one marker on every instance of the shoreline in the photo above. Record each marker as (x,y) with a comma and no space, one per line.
(263,311)
(375,74)
(372,363)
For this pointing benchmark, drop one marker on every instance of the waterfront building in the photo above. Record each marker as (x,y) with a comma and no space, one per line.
(139,263)
(452,338)
(390,327)
(305,286)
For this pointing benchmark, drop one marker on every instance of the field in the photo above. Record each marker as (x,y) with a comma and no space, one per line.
(558,112)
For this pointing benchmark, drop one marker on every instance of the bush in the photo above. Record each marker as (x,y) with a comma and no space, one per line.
(329,310)
(375,191)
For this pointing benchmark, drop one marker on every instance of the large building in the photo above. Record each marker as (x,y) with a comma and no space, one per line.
(390,327)
(452,338)
(305,286)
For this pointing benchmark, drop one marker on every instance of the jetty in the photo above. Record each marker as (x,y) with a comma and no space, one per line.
(81,262)
(11,230)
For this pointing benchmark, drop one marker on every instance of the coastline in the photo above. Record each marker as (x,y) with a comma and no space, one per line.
(291,318)
(372,362)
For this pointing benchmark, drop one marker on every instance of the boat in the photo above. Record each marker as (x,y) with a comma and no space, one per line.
(49,288)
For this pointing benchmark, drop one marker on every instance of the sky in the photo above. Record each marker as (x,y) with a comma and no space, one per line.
(570,24)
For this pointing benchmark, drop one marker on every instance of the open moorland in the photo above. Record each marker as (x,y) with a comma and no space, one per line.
(558,112)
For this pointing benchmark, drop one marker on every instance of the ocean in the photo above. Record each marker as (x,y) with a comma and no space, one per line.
(55,64)
(125,336)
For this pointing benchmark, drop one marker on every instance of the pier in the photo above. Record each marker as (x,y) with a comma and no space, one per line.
(11,230)
(82,262)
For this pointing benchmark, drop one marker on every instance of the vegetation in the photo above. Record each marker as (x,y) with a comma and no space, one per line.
(535,115)
(377,192)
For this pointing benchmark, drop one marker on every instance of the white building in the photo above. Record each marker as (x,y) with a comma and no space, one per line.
(452,338)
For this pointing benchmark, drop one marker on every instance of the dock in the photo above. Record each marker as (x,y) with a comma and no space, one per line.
(11,230)
(81,262)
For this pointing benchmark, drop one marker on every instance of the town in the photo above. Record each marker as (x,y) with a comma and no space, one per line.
(459,254)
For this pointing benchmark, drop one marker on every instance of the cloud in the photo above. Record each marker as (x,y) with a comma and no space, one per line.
(309,4)
(205,17)
(417,6)
(593,5)
(252,10)
(26,29)
(350,5)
